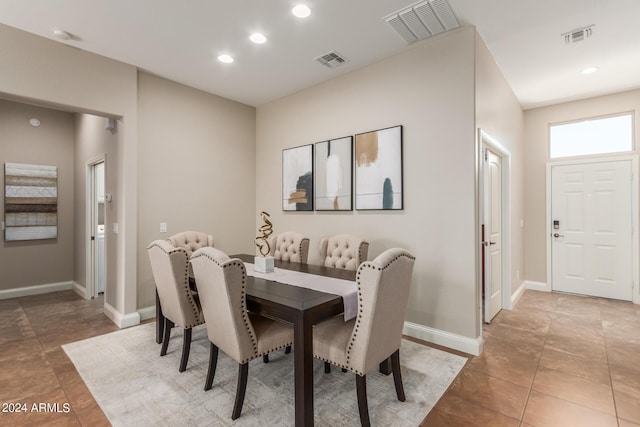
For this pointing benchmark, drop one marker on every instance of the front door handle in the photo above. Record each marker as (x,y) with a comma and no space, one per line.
(488,243)
(556,235)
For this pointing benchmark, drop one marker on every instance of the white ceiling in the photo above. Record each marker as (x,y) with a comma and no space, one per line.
(180,40)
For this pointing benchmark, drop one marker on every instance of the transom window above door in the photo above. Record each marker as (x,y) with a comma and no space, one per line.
(602,135)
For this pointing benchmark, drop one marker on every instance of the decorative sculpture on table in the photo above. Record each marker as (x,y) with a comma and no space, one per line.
(264,263)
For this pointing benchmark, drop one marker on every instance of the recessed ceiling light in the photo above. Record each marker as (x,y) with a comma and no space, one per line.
(63,35)
(301,11)
(227,59)
(589,70)
(34,122)
(257,38)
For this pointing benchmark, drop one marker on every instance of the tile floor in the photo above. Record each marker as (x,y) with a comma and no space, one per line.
(555,360)
(35,369)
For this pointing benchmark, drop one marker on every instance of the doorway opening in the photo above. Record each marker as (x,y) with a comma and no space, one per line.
(494,226)
(96,213)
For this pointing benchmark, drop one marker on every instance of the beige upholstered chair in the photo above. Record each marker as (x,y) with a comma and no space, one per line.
(180,305)
(343,251)
(191,241)
(374,336)
(243,336)
(290,246)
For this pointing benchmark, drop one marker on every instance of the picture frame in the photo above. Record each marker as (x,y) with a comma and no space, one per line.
(297,178)
(334,174)
(30,202)
(378,170)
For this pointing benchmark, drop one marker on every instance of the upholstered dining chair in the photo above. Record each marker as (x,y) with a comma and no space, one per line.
(180,305)
(242,335)
(343,251)
(191,241)
(374,336)
(289,246)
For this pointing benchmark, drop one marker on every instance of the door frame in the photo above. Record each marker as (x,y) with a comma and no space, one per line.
(90,213)
(485,141)
(635,223)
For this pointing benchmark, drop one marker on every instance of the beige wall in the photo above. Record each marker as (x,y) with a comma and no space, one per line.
(92,140)
(536,152)
(197,170)
(498,113)
(49,144)
(429,89)
(53,74)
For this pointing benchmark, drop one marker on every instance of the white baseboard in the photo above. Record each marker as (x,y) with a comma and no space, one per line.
(446,339)
(79,289)
(35,290)
(517,294)
(122,320)
(147,312)
(537,286)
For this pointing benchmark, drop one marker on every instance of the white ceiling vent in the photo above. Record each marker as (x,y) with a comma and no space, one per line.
(579,34)
(422,20)
(332,59)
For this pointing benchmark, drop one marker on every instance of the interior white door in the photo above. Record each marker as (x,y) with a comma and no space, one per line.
(493,235)
(592,229)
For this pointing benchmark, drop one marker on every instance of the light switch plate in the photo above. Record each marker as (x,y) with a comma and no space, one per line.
(163,227)
(115,228)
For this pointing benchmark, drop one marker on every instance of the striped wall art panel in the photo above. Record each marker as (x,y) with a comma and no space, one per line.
(30,202)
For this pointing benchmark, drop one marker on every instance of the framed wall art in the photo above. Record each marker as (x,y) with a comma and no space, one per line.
(378,164)
(333,168)
(30,202)
(297,178)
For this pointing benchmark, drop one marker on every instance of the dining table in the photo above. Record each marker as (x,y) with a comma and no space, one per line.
(295,305)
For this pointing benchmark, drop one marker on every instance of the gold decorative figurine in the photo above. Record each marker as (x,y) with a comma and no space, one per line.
(264,263)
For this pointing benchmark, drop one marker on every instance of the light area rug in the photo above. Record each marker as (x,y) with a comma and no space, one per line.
(134,386)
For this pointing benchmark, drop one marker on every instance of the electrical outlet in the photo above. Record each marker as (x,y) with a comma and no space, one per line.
(518,274)
(163,227)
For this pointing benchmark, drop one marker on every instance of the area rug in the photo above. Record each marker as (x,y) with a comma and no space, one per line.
(134,386)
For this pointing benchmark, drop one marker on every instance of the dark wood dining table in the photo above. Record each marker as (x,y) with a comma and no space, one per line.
(298,306)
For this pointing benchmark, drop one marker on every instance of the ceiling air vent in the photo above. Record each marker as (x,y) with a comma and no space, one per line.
(422,20)
(578,35)
(332,59)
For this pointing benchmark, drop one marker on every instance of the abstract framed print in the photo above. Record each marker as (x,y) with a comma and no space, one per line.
(378,164)
(334,171)
(297,178)
(30,202)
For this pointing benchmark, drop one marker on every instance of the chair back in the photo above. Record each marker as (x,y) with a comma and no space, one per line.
(383,296)
(170,272)
(343,251)
(191,241)
(221,285)
(290,246)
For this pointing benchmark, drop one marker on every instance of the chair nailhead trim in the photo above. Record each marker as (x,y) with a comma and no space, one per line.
(360,313)
(199,319)
(243,304)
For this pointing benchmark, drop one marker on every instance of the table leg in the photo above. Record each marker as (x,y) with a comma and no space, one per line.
(159,320)
(303,367)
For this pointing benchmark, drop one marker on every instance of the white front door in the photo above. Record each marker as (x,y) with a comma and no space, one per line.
(591,229)
(492,235)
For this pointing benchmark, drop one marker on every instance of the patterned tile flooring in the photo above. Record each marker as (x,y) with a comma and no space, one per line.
(555,360)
